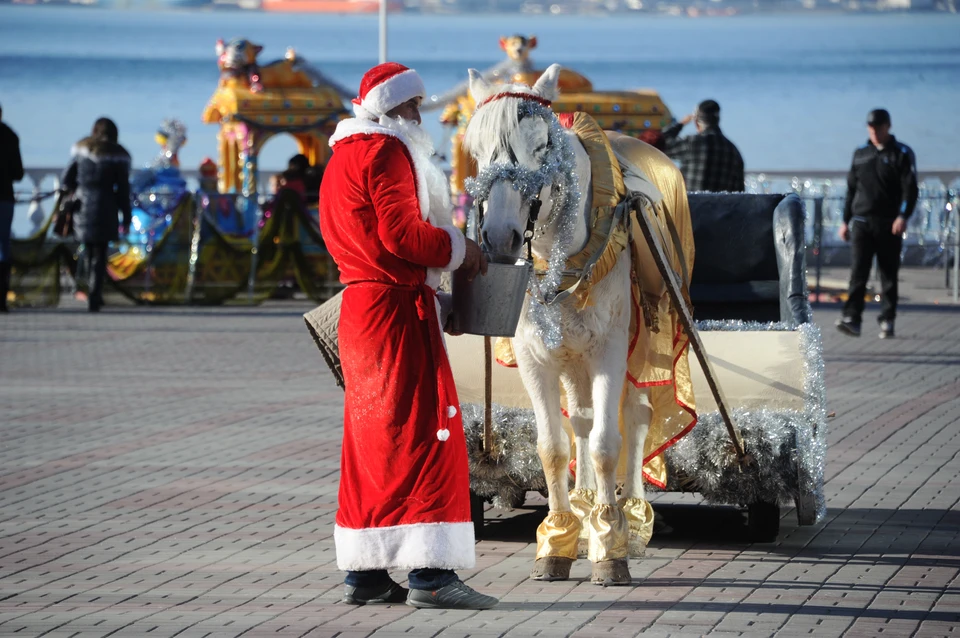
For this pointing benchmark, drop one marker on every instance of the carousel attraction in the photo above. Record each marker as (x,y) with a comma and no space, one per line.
(253,103)
(218,242)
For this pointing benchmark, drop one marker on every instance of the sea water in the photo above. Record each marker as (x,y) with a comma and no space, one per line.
(794,88)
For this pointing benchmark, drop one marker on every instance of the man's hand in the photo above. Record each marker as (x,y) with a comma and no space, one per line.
(844,232)
(474,261)
(899,226)
(687,119)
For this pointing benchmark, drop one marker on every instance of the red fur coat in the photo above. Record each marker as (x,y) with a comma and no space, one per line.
(404,484)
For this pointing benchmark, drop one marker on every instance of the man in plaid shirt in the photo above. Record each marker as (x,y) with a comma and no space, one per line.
(708,160)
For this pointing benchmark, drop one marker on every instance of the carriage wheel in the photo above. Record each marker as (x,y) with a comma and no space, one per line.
(476,515)
(763,522)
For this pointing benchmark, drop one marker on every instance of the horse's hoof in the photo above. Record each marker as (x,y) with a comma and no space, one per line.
(637,547)
(551,568)
(610,573)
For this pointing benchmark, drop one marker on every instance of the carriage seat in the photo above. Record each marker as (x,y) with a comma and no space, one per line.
(750,257)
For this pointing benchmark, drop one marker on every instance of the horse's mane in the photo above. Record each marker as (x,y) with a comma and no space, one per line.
(496,122)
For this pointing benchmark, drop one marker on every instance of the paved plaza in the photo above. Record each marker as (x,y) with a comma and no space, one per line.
(173,472)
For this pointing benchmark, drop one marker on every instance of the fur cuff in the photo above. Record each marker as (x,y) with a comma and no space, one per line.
(406,547)
(458,247)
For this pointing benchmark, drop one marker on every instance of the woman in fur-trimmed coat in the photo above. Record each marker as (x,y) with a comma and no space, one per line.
(99,175)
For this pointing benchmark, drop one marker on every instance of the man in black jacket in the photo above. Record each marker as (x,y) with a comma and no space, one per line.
(881,194)
(11,170)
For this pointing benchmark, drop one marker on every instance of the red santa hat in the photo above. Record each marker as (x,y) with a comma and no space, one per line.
(385,87)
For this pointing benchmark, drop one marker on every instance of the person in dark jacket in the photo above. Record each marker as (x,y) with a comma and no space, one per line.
(99,173)
(11,170)
(881,195)
(708,160)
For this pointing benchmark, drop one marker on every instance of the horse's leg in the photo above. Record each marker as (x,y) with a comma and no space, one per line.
(576,383)
(609,530)
(637,413)
(558,533)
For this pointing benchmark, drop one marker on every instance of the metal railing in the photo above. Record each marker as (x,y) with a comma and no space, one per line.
(932,238)
(933,231)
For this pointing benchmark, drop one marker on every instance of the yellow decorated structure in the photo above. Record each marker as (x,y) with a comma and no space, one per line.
(629,112)
(252,104)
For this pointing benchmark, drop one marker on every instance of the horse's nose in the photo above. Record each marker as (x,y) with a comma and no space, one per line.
(502,249)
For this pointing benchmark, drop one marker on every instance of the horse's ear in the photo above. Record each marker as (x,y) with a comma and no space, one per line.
(220,47)
(479,88)
(532,42)
(546,86)
(503,43)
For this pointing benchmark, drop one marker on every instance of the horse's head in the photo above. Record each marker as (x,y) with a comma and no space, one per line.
(518,47)
(524,158)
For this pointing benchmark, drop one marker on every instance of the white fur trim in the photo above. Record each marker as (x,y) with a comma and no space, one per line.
(443,434)
(458,247)
(393,92)
(405,547)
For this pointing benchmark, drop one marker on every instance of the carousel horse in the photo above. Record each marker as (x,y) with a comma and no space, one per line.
(597,329)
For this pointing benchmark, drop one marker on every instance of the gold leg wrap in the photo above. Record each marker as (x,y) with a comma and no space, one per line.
(639,515)
(609,532)
(581,502)
(558,534)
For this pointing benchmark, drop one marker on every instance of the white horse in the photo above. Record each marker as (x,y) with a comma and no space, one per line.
(527,162)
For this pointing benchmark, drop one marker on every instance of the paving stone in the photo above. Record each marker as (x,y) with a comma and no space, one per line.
(174,471)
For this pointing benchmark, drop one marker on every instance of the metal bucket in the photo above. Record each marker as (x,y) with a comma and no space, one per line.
(490,305)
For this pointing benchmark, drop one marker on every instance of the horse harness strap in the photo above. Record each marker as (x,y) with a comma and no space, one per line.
(609,218)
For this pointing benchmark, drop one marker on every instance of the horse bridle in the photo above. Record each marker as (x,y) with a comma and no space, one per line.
(535,203)
(533,213)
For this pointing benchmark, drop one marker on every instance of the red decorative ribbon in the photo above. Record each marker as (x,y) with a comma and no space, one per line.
(522,96)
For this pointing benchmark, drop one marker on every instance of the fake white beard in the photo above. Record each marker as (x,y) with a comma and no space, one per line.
(422,149)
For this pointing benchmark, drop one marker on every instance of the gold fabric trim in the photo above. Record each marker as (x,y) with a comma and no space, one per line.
(607,190)
(581,502)
(639,515)
(609,533)
(558,534)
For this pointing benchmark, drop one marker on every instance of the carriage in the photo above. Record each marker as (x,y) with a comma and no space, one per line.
(599,346)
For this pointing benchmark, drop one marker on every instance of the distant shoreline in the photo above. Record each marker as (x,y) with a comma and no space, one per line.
(677,9)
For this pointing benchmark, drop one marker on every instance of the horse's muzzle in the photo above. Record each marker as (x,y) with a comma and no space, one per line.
(502,249)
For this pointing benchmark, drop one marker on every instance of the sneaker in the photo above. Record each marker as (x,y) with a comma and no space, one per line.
(456,595)
(848,326)
(391,593)
(886,329)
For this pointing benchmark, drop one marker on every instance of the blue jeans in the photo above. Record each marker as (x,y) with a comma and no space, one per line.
(6,220)
(417,578)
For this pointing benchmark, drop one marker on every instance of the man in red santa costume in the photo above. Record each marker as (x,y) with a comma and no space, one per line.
(404,498)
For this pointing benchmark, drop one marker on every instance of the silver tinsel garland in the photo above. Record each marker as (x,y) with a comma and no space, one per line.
(788,446)
(557,170)
(513,466)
